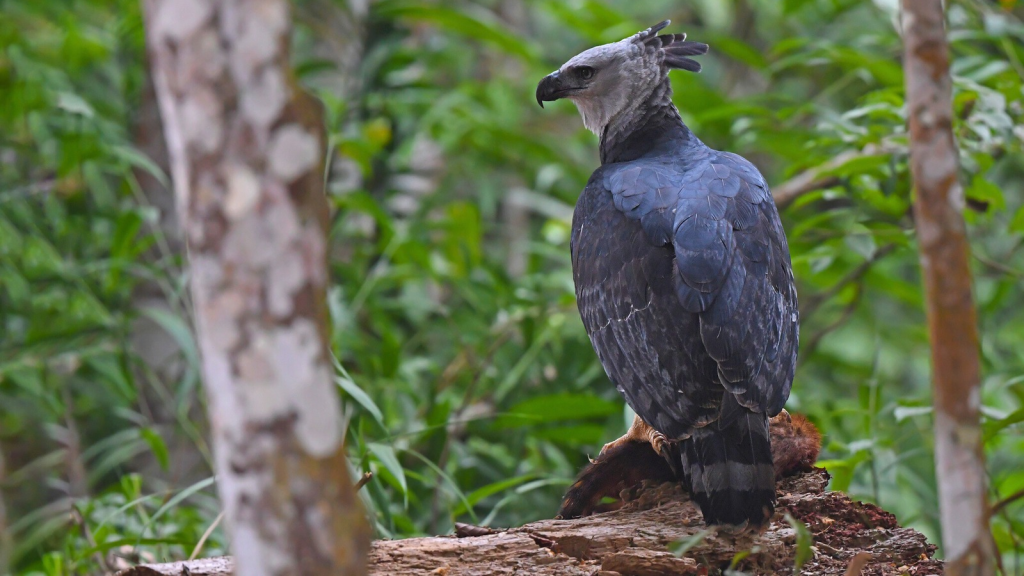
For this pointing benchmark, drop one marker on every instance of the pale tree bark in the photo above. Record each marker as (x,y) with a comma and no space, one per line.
(246,151)
(952,321)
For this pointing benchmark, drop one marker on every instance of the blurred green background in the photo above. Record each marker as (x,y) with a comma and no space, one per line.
(471,389)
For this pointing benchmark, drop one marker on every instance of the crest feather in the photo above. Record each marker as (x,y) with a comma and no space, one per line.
(673,47)
(651,32)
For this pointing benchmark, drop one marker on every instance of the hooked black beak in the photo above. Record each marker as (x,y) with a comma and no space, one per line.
(550,88)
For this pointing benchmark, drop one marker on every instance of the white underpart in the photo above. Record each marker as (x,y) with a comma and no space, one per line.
(598,111)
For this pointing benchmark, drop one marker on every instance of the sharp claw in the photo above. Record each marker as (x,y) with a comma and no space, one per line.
(658,443)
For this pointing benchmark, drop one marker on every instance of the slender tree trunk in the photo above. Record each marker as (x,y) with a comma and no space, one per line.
(952,322)
(246,151)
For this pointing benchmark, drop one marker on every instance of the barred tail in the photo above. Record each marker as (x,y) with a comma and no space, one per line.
(728,467)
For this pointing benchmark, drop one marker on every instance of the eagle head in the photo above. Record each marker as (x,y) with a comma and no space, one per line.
(607,80)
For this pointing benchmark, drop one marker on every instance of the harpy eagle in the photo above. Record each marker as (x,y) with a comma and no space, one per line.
(683,277)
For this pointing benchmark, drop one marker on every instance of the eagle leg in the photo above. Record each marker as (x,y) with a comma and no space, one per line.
(622,464)
(639,431)
(640,455)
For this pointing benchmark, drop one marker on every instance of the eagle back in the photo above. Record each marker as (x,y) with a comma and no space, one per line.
(732,267)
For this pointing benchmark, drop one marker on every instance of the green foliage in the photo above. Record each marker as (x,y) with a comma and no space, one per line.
(681,547)
(471,389)
(803,543)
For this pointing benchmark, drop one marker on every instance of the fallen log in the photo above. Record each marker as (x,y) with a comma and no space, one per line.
(635,540)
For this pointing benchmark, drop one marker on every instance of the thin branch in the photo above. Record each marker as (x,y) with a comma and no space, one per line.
(997,266)
(812,345)
(367,476)
(1007,501)
(206,535)
(815,302)
(818,177)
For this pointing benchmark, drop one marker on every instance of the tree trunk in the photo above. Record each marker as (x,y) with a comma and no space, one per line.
(246,150)
(952,322)
(634,541)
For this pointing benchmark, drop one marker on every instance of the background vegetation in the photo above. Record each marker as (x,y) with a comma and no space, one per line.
(472,391)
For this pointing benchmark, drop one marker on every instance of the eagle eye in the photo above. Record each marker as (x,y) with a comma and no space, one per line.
(585,72)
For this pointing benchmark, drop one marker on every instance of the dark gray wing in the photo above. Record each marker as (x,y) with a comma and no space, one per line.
(732,264)
(626,294)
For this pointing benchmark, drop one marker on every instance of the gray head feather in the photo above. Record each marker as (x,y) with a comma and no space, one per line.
(609,81)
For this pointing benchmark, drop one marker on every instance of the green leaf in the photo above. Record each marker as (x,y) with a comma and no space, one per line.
(997,426)
(859,165)
(681,547)
(386,456)
(40,258)
(133,543)
(177,499)
(985,191)
(364,400)
(577,435)
(861,241)
(125,507)
(841,472)
(557,407)
(901,413)
(1017,223)
(109,366)
(738,557)
(178,329)
(489,490)
(74,104)
(125,242)
(18,289)
(803,543)
(157,445)
(138,159)
(451,481)
(467,21)
(738,50)
(791,6)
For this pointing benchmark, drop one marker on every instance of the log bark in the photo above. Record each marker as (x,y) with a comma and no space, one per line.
(246,150)
(634,541)
(952,321)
